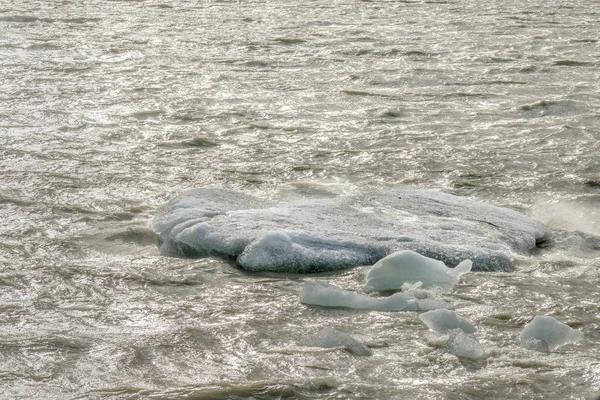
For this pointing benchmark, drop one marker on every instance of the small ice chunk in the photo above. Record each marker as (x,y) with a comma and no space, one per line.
(327,295)
(546,334)
(408,267)
(464,345)
(415,290)
(329,337)
(441,321)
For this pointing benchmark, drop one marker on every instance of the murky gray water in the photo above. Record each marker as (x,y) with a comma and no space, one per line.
(110,108)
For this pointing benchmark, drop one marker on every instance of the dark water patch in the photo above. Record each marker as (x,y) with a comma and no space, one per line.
(200,141)
(289,40)
(469,94)
(255,64)
(365,93)
(80,20)
(75,210)
(43,46)
(139,236)
(573,63)
(392,114)
(144,115)
(101,216)
(587,40)
(528,69)
(593,183)
(486,83)
(17,202)
(25,19)
(319,388)
(299,168)
(185,282)
(554,108)
(419,53)
(190,115)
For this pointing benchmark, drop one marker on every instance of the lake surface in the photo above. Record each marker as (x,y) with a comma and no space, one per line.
(108,109)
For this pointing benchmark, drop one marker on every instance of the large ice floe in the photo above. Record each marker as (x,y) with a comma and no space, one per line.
(546,334)
(328,295)
(346,231)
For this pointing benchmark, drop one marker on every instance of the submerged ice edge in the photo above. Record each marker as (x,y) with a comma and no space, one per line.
(333,234)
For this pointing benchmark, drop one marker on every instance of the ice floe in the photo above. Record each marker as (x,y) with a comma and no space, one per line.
(329,337)
(442,321)
(328,295)
(335,233)
(407,267)
(546,334)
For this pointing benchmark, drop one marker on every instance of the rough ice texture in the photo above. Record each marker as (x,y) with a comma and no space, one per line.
(442,321)
(329,337)
(407,267)
(547,334)
(465,345)
(327,295)
(336,233)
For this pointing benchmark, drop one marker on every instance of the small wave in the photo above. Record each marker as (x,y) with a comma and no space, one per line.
(554,108)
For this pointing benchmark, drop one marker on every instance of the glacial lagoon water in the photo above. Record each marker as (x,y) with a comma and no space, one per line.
(109,109)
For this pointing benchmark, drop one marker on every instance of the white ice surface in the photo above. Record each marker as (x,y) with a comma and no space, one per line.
(547,334)
(327,295)
(336,233)
(408,267)
(441,321)
(465,345)
(329,337)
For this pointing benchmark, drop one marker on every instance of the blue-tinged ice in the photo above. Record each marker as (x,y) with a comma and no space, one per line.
(442,321)
(408,267)
(546,334)
(329,337)
(335,233)
(327,295)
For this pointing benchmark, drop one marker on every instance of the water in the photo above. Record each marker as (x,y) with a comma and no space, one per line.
(109,109)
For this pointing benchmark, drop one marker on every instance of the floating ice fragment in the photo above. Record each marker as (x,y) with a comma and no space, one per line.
(441,321)
(335,233)
(327,295)
(415,290)
(546,334)
(329,337)
(465,345)
(397,269)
